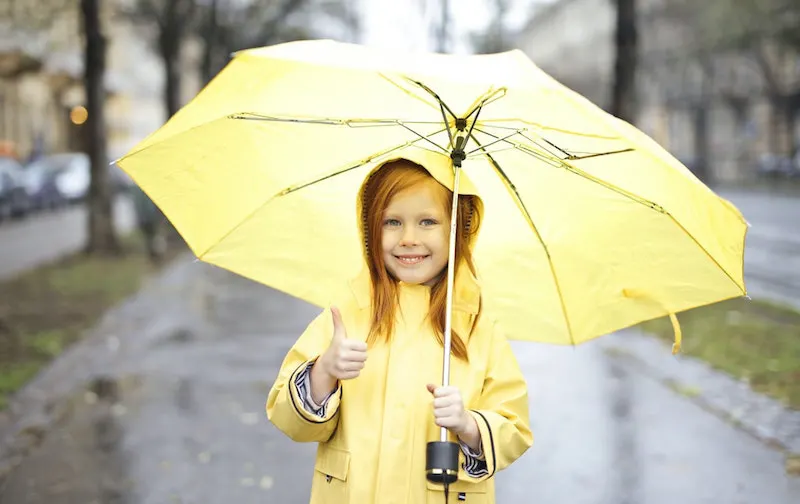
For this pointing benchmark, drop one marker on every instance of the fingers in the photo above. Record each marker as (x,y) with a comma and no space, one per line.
(448,422)
(442,391)
(450,416)
(355,351)
(447,401)
(448,406)
(354,346)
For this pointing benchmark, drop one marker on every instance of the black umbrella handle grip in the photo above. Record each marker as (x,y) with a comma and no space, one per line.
(441,464)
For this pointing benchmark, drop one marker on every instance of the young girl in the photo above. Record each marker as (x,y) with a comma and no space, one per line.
(360,380)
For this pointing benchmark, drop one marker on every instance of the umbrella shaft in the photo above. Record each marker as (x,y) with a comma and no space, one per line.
(448,319)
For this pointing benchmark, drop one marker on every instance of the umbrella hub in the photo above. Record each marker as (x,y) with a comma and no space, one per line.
(458,154)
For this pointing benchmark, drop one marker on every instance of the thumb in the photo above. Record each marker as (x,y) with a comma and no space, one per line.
(339,332)
(431,388)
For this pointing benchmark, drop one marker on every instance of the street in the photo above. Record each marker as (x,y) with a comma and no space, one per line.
(43,238)
(177,416)
(772,252)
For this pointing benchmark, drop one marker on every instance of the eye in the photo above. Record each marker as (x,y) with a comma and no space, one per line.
(429,222)
(391,222)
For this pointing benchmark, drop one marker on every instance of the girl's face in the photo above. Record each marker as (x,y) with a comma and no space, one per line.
(415,234)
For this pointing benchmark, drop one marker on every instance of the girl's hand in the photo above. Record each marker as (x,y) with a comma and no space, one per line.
(345,358)
(448,409)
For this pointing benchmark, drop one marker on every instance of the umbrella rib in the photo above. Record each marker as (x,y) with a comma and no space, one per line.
(551,158)
(353,123)
(490,96)
(427,139)
(572,157)
(436,96)
(633,197)
(294,188)
(407,91)
(496,141)
(549,128)
(518,199)
(568,156)
(291,189)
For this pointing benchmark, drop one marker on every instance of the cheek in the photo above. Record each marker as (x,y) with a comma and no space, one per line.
(441,240)
(388,241)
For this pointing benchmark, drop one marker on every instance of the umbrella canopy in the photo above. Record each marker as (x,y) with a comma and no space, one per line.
(589,227)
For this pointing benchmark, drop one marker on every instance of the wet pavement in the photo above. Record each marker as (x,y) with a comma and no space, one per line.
(772,252)
(168,407)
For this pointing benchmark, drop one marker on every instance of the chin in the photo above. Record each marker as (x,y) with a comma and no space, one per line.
(412,279)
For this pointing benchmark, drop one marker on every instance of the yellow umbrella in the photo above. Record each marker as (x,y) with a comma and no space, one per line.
(589,225)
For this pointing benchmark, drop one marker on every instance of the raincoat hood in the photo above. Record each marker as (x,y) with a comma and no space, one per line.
(467,288)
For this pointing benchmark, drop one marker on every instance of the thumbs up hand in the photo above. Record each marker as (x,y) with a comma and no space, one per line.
(344,358)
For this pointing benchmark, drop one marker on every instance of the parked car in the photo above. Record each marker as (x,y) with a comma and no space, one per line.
(40,182)
(14,201)
(71,174)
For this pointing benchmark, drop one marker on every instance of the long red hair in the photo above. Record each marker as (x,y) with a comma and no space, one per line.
(391,179)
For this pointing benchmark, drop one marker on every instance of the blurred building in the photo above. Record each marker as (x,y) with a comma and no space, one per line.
(682,97)
(41,77)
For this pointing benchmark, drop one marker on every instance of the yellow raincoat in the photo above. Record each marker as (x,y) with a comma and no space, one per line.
(373,436)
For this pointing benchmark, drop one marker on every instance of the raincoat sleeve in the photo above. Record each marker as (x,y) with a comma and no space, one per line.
(474,462)
(502,411)
(286,407)
(303,383)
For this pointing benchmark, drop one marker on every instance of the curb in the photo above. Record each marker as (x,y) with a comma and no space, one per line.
(733,400)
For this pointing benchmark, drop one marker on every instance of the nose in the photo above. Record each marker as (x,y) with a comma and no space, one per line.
(409,237)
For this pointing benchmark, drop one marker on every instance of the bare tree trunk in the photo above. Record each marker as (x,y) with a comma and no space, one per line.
(623,100)
(792,112)
(170,56)
(169,44)
(210,38)
(700,121)
(774,127)
(102,236)
(444,28)
(739,108)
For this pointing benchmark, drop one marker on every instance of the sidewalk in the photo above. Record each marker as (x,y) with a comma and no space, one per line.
(44,238)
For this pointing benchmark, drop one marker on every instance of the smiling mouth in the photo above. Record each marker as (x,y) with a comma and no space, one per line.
(410,260)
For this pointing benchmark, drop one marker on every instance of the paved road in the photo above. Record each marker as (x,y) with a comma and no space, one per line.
(772,251)
(195,355)
(45,237)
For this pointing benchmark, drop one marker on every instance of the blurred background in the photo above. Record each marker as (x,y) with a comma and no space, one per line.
(130,373)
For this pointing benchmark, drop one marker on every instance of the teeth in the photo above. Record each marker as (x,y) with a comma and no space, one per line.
(411,260)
